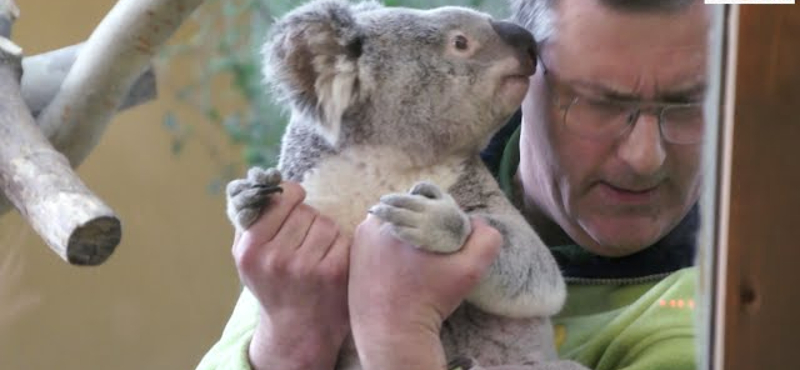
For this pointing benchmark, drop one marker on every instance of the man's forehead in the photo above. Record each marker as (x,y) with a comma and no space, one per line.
(660,75)
(632,53)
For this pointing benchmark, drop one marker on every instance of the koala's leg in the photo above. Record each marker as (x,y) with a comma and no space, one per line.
(555,365)
(474,339)
(246,197)
(468,364)
(426,217)
(493,340)
(524,280)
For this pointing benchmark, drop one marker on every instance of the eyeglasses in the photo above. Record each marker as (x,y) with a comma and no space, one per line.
(606,119)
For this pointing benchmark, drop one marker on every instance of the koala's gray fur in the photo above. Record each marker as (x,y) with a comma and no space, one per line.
(385,99)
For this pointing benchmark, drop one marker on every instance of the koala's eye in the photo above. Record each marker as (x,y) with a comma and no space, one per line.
(461,43)
(355,48)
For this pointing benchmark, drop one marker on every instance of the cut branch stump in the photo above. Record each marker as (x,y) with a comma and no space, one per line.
(73,96)
(41,184)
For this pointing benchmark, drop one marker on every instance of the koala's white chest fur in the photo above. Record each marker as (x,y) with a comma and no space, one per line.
(345,186)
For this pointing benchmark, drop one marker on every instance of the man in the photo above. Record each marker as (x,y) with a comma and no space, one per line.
(607,169)
(606,166)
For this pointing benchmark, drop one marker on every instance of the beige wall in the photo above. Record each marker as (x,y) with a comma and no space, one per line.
(162,298)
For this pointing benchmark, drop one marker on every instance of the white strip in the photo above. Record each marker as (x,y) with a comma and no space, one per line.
(723,223)
(709,200)
(756,2)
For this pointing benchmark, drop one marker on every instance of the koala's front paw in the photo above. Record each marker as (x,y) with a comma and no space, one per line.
(246,197)
(426,217)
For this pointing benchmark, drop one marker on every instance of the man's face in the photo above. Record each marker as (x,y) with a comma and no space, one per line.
(615,196)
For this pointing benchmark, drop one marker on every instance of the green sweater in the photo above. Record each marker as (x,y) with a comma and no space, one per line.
(230,352)
(628,313)
(630,326)
(603,326)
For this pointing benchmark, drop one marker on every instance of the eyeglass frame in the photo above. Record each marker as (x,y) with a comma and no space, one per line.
(655,108)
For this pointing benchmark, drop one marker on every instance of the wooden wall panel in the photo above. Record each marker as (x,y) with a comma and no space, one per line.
(762,315)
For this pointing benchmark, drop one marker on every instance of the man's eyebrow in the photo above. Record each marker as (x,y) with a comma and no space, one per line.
(689,94)
(692,94)
(603,91)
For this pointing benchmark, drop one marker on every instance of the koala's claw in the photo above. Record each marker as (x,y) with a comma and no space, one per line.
(268,189)
(427,190)
(426,217)
(412,203)
(246,197)
(260,176)
(398,217)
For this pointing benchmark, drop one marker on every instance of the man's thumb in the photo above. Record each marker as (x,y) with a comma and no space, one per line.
(483,245)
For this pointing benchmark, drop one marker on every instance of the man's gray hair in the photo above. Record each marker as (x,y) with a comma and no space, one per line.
(539,16)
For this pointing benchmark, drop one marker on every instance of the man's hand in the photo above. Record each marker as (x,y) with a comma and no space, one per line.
(399,295)
(295,262)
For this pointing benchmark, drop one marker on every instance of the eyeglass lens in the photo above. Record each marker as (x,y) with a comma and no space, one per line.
(680,124)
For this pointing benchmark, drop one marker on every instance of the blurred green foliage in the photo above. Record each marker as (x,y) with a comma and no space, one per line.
(228,38)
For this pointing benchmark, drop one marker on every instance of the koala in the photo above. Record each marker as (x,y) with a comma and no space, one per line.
(390,108)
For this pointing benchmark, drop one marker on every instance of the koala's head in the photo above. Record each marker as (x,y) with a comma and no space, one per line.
(442,79)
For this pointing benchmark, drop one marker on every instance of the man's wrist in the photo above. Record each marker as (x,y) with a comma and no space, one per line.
(272,348)
(396,350)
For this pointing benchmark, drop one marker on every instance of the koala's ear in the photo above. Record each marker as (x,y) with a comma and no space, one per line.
(367,5)
(311,61)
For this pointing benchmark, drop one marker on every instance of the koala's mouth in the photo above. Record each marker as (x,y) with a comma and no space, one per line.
(526,70)
(513,87)
(523,73)
(517,79)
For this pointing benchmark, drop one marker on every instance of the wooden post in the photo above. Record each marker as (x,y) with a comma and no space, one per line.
(759,300)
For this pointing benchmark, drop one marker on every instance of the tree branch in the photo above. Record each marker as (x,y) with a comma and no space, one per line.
(8,14)
(45,73)
(34,175)
(117,52)
(40,183)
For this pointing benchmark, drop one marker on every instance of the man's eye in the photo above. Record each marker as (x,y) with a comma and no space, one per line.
(605,107)
(685,114)
(600,103)
(461,43)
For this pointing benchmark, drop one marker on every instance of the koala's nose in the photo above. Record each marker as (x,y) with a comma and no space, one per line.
(516,36)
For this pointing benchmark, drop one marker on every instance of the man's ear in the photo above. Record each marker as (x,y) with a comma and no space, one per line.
(311,61)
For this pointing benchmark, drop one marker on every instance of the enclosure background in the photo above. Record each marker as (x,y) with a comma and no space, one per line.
(162,299)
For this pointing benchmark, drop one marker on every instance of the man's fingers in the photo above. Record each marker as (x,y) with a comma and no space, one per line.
(294,230)
(337,259)
(279,207)
(320,238)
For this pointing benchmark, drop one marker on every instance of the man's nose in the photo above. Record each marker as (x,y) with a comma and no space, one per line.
(516,36)
(643,148)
